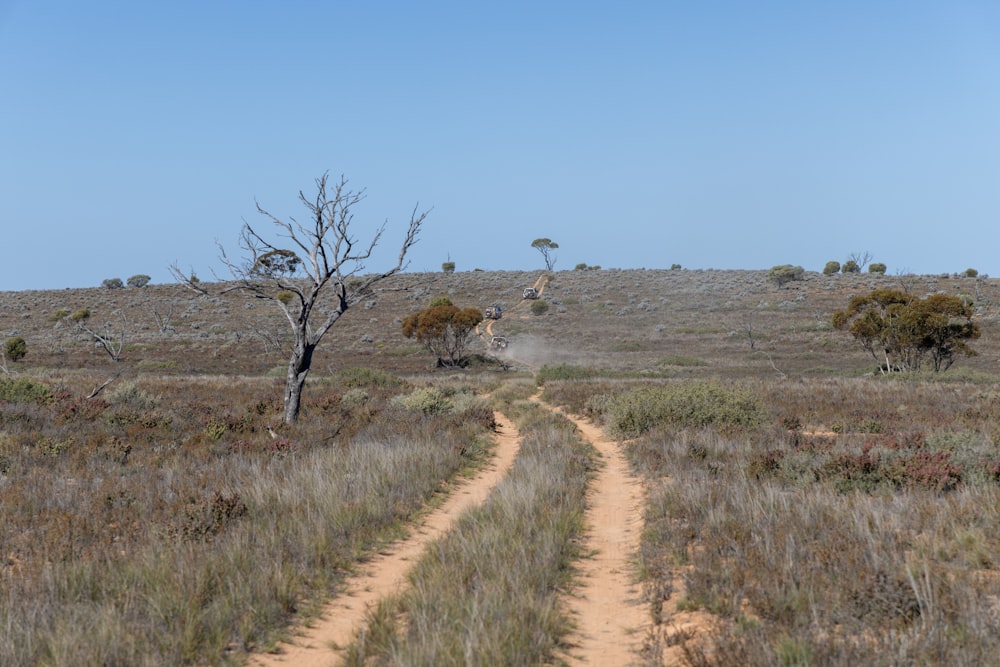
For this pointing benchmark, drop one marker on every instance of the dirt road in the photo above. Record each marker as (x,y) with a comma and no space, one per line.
(606,604)
(317,645)
(611,619)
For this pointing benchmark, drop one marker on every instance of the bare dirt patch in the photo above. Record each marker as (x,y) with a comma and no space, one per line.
(322,642)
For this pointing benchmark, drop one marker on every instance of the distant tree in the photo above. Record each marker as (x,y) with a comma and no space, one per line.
(448,267)
(850,266)
(138,280)
(877,268)
(112,283)
(970,273)
(784,273)
(324,259)
(861,259)
(898,329)
(109,338)
(831,268)
(444,329)
(546,246)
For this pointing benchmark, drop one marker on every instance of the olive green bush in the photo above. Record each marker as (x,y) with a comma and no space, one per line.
(630,414)
(14,349)
(785,273)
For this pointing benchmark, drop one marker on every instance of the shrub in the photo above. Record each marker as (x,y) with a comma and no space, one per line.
(363,377)
(675,267)
(564,372)
(80,315)
(138,280)
(689,404)
(970,273)
(440,301)
(58,316)
(582,266)
(285,296)
(785,273)
(23,390)
(539,307)
(112,283)
(429,401)
(831,268)
(15,348)
(877,267)
(448,267)
(850,266)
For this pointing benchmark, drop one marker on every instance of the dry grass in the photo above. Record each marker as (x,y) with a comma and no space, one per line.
(864,534)
(159,523)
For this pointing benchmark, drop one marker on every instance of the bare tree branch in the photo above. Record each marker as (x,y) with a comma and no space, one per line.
(317,257)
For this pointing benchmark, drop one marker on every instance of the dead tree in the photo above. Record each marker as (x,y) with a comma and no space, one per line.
(320,257)
(109,340)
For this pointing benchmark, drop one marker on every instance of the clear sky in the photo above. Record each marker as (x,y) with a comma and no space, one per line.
(714,134)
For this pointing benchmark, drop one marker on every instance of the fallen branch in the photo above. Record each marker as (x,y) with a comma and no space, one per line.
(99,389)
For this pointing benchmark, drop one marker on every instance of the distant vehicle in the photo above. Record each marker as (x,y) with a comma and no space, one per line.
(530,293)
(498,343)
(493,313)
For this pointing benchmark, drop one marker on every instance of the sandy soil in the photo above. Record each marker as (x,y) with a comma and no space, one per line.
(612,620)
(317,645)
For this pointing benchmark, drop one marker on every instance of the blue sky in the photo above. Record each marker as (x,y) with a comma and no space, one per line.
(734,135)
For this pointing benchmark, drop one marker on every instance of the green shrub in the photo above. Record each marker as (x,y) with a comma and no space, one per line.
(688,404)
(539,307)
(429,401)
(784,273)
(448,267)
(564,372)
(58,316)
(582,266)
(285,296)
(23,390)
(440,301)
(877,267)
(850,266)
(138,280)
(80,315)
(112,283)
(831,268)
(970,273)
(15,348)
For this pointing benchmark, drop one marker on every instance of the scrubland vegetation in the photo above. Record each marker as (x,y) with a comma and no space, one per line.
(823,513)
(833,522)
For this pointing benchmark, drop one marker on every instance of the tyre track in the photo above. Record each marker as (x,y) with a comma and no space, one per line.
(611,618)
(322,643)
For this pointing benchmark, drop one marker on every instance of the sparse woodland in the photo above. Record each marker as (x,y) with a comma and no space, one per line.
(157,510)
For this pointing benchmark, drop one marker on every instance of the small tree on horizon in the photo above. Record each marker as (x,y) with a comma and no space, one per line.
(324,259)
(546,246)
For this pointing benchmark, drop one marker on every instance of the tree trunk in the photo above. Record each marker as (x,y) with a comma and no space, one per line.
(298,370)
